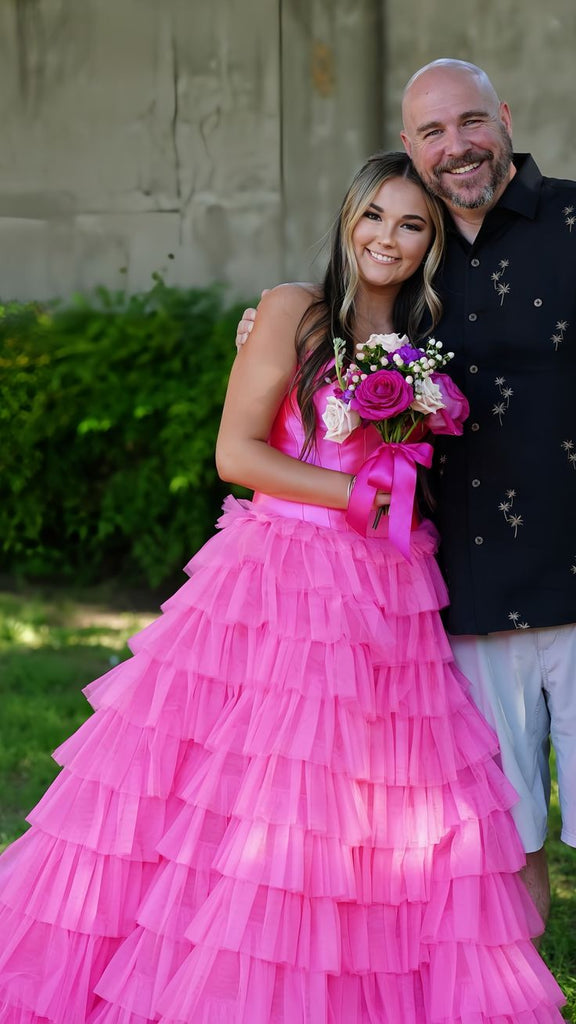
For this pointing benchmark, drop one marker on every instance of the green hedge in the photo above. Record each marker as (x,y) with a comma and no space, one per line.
(109,409)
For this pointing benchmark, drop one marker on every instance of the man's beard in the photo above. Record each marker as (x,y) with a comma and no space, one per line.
(500,168)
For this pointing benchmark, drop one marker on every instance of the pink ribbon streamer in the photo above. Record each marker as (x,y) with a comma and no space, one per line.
(390,467)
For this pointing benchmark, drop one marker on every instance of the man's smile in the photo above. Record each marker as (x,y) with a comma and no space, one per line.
(464,169)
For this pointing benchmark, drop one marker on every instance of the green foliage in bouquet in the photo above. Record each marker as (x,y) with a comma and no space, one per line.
(109,409)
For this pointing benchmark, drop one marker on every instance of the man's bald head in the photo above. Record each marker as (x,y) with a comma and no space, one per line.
(441,72)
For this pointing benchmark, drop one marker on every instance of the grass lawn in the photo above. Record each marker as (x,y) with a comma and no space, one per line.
(53,642)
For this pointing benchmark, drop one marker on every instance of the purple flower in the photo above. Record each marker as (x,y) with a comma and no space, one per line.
(381,395)
(344,396)
(409,354)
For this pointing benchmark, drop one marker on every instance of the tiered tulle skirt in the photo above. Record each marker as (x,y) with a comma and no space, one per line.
(285,810)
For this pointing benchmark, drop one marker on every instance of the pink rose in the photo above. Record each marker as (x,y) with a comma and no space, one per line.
(381,395)
(450,419)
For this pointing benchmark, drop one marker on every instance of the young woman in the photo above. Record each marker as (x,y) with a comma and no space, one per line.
(285,808)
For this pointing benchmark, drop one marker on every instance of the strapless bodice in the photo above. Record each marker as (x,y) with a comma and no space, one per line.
(287,435)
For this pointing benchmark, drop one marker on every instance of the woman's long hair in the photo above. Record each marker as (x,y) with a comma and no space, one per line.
(333,314)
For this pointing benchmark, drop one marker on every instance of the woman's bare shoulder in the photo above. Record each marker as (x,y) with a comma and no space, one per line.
(293,298)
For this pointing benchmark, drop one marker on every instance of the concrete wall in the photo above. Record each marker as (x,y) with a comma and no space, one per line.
(133,129)
(223,132)
(528,48)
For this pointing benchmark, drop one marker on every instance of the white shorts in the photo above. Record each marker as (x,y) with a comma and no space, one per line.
(524,683)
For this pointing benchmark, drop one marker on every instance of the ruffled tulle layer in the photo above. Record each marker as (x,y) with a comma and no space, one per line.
(285,809)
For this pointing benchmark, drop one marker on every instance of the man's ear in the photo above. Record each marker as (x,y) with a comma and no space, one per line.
(506,117)
(406,143)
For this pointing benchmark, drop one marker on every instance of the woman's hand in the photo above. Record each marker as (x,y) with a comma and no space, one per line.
(381,499)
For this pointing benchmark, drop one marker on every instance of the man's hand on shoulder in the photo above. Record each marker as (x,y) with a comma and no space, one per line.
(247,323)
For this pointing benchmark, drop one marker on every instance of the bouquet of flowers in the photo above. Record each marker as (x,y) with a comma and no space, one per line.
(395,387)
(400,390)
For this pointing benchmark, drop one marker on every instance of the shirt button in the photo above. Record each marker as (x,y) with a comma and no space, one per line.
(474,426)
(478,540)
(473,368)
(475,262)
(472,317)
(475,483)
(537,302)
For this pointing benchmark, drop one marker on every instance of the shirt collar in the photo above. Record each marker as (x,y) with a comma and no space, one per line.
(523,192)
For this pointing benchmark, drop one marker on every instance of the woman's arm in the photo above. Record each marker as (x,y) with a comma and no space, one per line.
(261,376)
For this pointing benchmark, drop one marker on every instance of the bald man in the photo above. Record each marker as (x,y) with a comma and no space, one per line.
(507,488)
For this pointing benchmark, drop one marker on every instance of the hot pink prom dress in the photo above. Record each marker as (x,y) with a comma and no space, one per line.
(285,809)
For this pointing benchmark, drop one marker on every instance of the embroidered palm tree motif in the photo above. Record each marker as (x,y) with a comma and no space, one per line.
(568,447)
(573,567)
(500,286)
(517,621)
(558,337)
(512,518)
(569,218)
(442,460)
(499,409)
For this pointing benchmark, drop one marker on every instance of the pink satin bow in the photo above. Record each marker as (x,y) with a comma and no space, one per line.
(390,467)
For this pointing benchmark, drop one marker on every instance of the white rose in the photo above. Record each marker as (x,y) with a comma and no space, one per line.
(389,342)
(339,419)
(428,396)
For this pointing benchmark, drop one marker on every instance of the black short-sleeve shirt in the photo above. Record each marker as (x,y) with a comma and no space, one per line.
(507,488)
